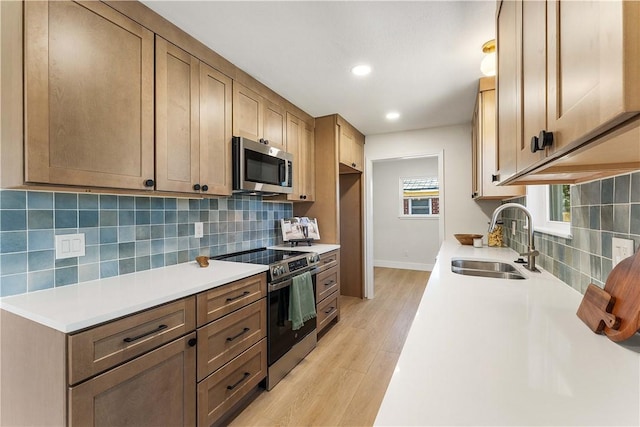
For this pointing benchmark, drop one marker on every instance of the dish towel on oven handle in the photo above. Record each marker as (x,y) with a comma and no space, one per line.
(302,305)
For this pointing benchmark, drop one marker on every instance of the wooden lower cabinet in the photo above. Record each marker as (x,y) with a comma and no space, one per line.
(143,369)
(232,346)
(328,289)
(152,390)
(222,390)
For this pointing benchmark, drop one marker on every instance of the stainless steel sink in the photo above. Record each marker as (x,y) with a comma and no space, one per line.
(492,269)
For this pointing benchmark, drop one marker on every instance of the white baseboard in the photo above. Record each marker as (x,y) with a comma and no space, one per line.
(403,265)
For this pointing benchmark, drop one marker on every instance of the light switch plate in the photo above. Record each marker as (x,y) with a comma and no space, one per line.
(198,230)
(69,245)
(620,249)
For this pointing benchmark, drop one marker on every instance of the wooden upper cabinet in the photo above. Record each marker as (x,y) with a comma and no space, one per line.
(215,131)
(534,82)
(274,124)
(89,74)
(256,118)
(577,78)
(301,144)
(351,148)
(594,68)
(308,162)
(193,124)
(508,84)
(484,145)
(177,118)
(247,112)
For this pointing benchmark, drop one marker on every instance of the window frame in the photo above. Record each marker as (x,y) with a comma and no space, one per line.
(401,214)
(538,205)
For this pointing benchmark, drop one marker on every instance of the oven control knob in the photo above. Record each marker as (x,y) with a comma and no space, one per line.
(314,258)
(278,270)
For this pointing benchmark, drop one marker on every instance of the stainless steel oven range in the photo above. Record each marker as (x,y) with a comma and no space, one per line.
(285,347)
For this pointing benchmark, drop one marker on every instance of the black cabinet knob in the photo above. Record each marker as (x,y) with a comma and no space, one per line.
(192,342)
(196,187)
(353,165)
(149,183)
(205,187)
(544,139)
(495,178)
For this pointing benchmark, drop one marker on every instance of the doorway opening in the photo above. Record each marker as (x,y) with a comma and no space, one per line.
(404,214)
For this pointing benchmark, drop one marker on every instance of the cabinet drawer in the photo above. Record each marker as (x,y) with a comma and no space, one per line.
(225,299)
(98,349)
(327,282)
(224,388)
(224,339)
(329,260)
(155,389)
(328,310)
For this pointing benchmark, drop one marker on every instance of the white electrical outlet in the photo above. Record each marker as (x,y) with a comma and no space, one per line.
(69,245)
(198,230)
(620,249)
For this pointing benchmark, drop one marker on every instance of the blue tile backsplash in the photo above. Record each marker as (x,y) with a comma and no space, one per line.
(123,234)
(600,210)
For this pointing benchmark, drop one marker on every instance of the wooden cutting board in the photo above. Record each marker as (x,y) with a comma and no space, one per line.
(595,309)
(623,284)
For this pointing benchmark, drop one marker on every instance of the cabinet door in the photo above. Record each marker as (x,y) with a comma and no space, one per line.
(215,131)
(534,81)
(88,96)
(177,118)
(357,152)
(308,164)
(155,389)
(508,83)
(346,146)
(294,147)
(247,112)
(592,84)
(275,128)
(476,159)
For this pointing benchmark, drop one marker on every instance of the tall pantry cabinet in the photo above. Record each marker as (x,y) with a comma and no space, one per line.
(339,190)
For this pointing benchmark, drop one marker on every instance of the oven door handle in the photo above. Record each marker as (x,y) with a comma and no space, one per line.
(280,285)
(288,282)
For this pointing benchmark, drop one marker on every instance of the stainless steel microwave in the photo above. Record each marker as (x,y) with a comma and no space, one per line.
(259,167)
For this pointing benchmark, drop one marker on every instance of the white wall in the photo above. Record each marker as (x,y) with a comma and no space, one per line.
(401,242)
(462,214)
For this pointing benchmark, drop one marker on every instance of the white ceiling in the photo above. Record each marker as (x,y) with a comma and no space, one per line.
(425,55)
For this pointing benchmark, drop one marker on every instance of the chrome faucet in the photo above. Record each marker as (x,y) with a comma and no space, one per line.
(531,253)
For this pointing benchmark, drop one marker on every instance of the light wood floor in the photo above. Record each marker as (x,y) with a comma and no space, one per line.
(342,382)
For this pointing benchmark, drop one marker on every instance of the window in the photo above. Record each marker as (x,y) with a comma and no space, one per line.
(420,197)
(550,207)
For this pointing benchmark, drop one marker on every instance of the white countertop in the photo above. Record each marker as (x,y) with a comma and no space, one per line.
(507,352)
(74,307)
(319,248)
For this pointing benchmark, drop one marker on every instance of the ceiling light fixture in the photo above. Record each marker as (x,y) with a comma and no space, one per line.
(393,115)
(361,70)
(488,64)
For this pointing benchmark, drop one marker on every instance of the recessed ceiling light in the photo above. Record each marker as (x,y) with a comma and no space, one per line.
(361,70)
(393,115)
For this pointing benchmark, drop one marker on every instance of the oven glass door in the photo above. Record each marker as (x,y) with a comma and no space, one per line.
(280,336)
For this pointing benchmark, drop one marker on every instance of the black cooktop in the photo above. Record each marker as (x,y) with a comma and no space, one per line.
(261,256)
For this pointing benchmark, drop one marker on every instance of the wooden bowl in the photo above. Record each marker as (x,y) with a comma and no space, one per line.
(467,239)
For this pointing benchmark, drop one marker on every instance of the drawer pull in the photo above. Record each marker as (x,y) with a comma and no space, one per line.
(329,283)
(244,331)
(136,338)
(244,377)
(244,294)
(330,310)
